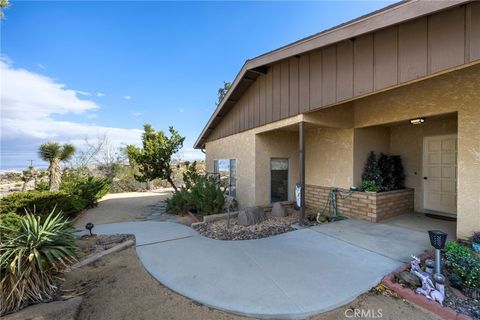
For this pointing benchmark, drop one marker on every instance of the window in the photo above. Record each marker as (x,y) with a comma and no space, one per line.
(226,171)
(279,179)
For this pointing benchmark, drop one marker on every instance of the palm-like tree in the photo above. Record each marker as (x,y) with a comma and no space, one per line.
(53,152)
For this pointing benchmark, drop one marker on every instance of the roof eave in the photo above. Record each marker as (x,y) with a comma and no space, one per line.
(383,18)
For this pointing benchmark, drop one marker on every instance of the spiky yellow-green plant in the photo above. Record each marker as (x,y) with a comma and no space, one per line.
(31,258)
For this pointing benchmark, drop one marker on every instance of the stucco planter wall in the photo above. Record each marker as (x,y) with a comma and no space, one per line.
(373,207)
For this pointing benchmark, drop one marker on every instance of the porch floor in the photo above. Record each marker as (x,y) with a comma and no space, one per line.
(421,222)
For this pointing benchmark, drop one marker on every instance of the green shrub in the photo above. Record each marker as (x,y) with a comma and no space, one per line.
(124,180)
(41,187)
(206,196)
(30,257)
(371,171)
(41,202)
(86,189)
(386,172)
(464,263)
(180,202)
(11,222)
(370,185)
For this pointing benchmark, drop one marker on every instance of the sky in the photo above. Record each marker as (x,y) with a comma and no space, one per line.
(71,71)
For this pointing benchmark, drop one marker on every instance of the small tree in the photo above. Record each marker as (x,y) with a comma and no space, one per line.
(27,176)
(371,172)
(222,92)
(155,157)
(54,153)
(190,175)
(3,5)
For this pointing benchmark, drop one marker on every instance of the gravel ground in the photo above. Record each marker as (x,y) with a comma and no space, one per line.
(272,226)
(462,304)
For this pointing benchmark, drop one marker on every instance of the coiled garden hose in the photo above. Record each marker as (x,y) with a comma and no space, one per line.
(332,199)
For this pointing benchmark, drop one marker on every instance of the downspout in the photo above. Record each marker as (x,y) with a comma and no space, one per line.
(301,167)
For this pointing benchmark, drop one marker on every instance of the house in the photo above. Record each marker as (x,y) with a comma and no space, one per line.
(311,112)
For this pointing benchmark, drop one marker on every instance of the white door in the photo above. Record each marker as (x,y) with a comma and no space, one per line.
(440,174)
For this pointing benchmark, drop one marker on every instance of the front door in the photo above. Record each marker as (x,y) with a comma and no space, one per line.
(440,174)
(278,179)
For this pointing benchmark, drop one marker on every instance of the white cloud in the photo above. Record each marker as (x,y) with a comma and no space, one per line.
(100,94)
(83,93)
(41,66)
(181,110)
(136,114)
(127,97)
(29,104)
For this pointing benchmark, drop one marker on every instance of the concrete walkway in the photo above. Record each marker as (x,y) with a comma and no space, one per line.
(288,276)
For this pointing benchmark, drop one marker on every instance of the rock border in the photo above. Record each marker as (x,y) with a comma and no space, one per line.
(408,294)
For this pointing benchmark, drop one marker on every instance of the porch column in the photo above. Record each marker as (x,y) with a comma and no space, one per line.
(301,167)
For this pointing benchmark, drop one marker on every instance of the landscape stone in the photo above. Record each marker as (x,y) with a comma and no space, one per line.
(278,210)
(409,279)
(251,215)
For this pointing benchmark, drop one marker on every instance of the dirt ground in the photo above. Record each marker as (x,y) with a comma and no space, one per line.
(119,207)
(118,287)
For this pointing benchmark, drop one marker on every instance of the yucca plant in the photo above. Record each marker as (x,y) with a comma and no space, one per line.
(32,257)
(54,153)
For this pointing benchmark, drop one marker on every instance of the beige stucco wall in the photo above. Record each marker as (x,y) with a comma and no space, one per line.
(330,151)
(276,144)
(241,147)
(458,91)
(253,162)
(376,139)
(329,157)
(407,141)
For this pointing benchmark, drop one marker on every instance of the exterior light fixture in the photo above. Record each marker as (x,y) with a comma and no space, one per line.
(417,121)
(437,240)
(89,226)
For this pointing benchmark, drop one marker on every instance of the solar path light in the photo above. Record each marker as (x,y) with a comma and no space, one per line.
(89,226)
(437,240)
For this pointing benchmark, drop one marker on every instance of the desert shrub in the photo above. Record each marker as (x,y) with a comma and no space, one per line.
(124,180)
(463,263)
(41,187)
(86,189)
(41,202)
(30,259)
(11,222)
(180,202)
(206,196)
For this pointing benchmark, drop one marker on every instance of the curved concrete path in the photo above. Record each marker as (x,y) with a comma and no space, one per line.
(289,276)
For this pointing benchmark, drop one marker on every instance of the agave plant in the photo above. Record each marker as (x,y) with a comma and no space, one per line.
(31,258)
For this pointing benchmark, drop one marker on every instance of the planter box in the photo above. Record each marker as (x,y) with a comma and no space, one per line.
(369,206)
